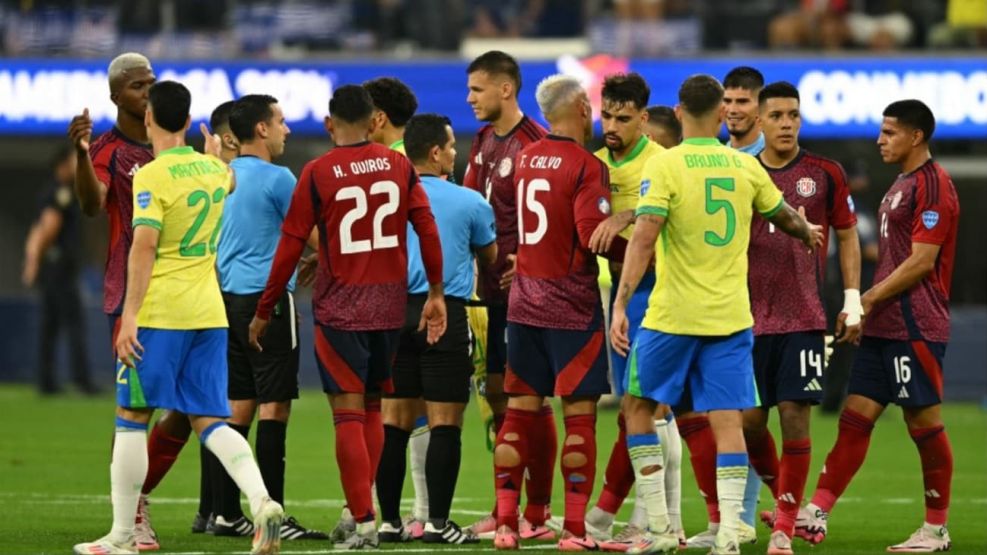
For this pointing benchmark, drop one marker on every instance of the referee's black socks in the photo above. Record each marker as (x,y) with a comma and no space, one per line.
(390,473)
(442,471)
(271,436)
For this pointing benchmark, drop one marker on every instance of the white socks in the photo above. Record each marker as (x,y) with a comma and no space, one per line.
(234,453)
(419,448)
(671,442)
(645,452)
(128,469)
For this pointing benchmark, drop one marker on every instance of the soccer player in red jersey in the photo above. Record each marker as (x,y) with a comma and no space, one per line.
(555,318)
(494,80)
(104,181)
(905,330)
(789,318)
(362,196)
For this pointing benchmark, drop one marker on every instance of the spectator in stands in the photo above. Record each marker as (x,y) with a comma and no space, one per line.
(835,24)
(965,26)
(51,260)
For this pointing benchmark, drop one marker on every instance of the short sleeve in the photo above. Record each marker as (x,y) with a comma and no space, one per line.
(148,201)
(301,215)
(768,199)
(842,215)
(591,204)
(656,194)
(935,210)
(482,227)
(282,189)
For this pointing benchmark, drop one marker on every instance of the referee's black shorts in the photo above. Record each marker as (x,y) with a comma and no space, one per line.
(270,376)
(441,372)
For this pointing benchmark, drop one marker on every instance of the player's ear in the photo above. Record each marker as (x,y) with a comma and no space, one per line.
(506,89)
(148,117)
(678,112)
(918,137)
(188,123)
(327,123)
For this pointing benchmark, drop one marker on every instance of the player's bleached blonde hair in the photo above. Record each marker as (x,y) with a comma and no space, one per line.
(124,63)
(555,92)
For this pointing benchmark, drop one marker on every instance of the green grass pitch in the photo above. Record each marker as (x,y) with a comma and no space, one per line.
(54,481)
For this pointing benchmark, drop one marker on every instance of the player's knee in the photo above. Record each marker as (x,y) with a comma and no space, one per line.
(505,455)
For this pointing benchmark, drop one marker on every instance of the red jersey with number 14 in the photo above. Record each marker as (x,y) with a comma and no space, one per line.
(785,279)
(116,159)
(362,197)
(920,207)
(563,194)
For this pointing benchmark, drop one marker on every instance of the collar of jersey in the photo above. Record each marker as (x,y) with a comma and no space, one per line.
(641,143)
(396,144)
(702,141)
(177,150)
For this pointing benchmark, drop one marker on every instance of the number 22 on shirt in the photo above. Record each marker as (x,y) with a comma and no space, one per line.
(378,241)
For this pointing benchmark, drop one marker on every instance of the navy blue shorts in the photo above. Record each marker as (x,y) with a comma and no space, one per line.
(548,362)
(183,370)
(355,361)
(717,369)
(496,338)
(907,373)
(789,367)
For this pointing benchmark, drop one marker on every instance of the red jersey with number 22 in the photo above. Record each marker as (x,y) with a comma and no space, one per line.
(362,197)
(563,194)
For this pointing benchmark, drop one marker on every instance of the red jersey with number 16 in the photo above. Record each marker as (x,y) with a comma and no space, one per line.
(362,197)
(920,207)
(563,194)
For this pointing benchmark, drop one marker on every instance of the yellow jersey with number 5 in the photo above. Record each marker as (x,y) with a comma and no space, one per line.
(708,193)
(181,194)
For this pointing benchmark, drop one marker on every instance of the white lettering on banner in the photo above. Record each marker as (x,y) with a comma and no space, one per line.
(53,95)
(302,94)
(208,88)
(841,97)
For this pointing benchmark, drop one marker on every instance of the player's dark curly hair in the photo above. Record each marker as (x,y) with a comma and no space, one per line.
(170,102)
(351,104)
(392,97)
(914,114)
(744,77)
(778,89)
(622,88)
(422,133)
(247,112)
(700,95)
(496,62)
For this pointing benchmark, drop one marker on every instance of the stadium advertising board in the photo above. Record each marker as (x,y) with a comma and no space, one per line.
(841,97)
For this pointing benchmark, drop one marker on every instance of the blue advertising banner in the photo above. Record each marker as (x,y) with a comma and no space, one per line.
(841,97)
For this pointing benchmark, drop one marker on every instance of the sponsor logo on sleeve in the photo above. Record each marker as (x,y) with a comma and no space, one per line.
(930,218)
(645,185)
(604,205)
(849,202)
(143,199)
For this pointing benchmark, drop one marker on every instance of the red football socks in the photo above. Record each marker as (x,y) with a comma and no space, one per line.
(844,460)
(764,458)
(937,471)
(578,469)
(162,451)
(508,478)
(541,467)
(698,435)
(796,455)
(373,433)
(354,462)
(619,476)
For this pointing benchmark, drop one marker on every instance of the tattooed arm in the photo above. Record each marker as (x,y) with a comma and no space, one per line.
(638,257)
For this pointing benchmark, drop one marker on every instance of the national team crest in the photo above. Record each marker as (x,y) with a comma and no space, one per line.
(645,185)
(504,169)
(849,202)
(896,200)
(930,218)
(806,187)
(604,205)
(143,199)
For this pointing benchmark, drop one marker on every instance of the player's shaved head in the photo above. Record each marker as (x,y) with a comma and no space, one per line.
(351,104)
(913,114)
(498,64)
(556,94)
(700,95)
(124,63)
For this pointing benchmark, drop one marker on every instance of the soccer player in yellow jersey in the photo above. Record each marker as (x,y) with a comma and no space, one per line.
(700,196)
(626,150)
(172,340)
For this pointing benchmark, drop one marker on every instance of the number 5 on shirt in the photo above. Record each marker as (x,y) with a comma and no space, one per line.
(714,205)
(526,199)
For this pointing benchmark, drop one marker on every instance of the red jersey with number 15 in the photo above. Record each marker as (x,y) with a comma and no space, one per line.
(920,207)
(785,280)
(362,197)
(490,172)
(563,194)
(116,159)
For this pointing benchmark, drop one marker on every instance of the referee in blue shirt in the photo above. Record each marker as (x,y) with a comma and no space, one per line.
(249,237)
(440,373)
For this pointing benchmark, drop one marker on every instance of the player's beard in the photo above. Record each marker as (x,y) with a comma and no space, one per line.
(740,132)
(620,143)
(493,114)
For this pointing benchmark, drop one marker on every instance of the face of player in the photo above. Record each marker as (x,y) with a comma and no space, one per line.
(277,132)
(740,106)
(896,141)
(780,122)
(486,95)
(660,134)
(130,91)
(622,124)
(447,154)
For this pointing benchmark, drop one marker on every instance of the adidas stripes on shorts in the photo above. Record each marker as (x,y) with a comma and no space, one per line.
(789,367)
